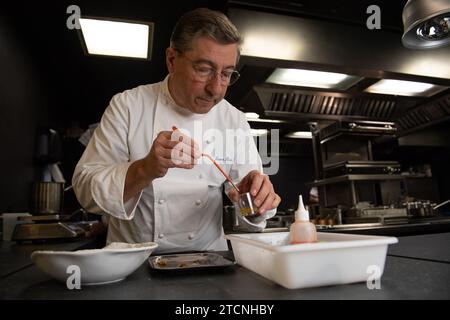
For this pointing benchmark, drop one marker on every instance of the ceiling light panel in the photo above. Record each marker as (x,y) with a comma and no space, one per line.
(259,132)
(266,120)
(115,38)
(311,78)
(251,115)
(299,135)
(404,88)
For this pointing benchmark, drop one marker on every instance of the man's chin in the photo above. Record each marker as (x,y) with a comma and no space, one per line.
(203,106)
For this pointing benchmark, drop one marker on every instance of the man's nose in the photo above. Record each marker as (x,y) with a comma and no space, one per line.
(214,85)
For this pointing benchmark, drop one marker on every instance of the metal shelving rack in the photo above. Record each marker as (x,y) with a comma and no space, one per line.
(326,148)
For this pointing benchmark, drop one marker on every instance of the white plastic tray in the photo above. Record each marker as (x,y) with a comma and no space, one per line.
(335,259)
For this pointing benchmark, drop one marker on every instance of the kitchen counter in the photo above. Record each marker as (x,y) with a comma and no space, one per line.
(418,267)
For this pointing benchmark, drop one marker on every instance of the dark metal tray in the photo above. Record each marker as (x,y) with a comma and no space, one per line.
(189,261)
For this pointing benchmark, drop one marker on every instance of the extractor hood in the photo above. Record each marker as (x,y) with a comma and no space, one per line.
(274,40)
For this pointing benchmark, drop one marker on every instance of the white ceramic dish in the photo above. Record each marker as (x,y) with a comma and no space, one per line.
(334,259)
(97,266)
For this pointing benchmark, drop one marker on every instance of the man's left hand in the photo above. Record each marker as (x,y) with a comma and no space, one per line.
(261,189)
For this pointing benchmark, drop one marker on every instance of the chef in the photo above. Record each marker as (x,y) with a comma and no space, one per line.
(148,177)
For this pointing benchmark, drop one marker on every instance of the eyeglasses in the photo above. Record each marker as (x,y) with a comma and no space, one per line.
(205,73)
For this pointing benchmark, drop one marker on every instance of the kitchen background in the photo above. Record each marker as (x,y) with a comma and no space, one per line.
(47,81)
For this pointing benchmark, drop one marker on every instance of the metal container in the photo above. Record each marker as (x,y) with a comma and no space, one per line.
(422,208)
(48,197)
(230,219)
(247,206)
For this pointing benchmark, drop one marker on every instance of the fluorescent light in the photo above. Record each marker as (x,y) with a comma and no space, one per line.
(112,38)
(270,44)
(310,78)
(251,115)
(266,120)
(300,135)
(258,132)
(402,88)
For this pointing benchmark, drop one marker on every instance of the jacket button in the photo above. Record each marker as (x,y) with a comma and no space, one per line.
(191,236)
(161,201)
(161,236)
(198,202)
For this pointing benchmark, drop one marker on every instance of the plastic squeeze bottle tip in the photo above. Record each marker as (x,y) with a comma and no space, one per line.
(302,230)
(301,214)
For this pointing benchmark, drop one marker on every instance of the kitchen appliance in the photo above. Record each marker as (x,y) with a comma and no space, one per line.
(348,177)
(367,210)
(48,197)
(420,208)
(367,191)
(48,146)
(368,128)
(47,231)
(48,190)
(362,167)
(345,170)
(48,221)
(57,227)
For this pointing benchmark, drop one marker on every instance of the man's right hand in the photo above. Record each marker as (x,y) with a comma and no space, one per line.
(171,149)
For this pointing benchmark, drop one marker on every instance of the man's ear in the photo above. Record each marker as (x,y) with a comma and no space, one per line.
(170,57)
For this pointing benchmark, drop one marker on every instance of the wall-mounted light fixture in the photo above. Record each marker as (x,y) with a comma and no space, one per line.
(251,115)
(266,120)
(299,135)
(312,78)
(254,117)
(119,38)
(259,132)
(404,88)
(426,24)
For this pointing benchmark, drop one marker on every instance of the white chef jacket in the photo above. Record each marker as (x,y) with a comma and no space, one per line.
(181,211)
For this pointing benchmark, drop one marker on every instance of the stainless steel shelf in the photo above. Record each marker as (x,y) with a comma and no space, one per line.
(356,177)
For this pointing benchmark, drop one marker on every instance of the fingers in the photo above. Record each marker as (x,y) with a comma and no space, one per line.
(187,141)
(181,153)
(186,152)
(277,202)
(233,195)
(262,189)
(271,202)
(246,183)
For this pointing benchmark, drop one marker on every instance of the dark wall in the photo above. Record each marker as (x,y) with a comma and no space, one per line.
(429,146)
(24,103)
(291,179)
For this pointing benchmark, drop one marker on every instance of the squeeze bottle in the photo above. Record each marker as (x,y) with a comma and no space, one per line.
(302,230)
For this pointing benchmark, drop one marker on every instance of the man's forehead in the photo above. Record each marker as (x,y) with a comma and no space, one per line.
(205,49)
